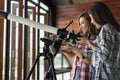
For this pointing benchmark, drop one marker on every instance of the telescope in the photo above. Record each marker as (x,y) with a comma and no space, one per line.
(30,23)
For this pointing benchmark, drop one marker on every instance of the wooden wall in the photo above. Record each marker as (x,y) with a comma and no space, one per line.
(115,8)
(70,12)
(1,39)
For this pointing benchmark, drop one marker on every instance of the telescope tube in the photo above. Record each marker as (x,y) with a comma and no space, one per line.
(28,22)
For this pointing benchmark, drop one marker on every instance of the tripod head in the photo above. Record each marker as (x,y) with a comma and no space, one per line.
(47,42)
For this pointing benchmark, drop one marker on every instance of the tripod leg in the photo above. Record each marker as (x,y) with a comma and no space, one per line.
(47,74)
(36,60)
(52,68)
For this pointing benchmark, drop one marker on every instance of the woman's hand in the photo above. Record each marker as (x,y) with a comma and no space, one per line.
(66,47)
(86,60)
(83,40)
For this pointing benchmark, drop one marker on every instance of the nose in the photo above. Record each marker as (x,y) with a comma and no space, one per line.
(91,20)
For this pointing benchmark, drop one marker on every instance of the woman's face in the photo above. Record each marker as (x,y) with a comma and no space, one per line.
(84,25)
(92,20)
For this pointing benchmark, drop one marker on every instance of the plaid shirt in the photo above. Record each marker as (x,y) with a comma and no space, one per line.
(80,68)
(104,56)
(83,70)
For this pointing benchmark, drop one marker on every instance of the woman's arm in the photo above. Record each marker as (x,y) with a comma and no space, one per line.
(85,41)
(68,54)
(70,51)
(80,53)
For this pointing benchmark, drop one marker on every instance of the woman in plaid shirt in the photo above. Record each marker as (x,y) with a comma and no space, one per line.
(80,69)
(106,46)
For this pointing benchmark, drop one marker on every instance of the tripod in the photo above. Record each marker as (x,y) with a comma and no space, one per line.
(50,74)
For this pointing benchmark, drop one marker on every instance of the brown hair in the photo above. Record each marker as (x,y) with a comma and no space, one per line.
(93,30)
(102,15)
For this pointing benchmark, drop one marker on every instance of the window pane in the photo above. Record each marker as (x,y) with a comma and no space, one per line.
(59,77)
(42,11)
(36,1)
(66,76)
(14,42)
(65,63)
(44,6)
(58,61)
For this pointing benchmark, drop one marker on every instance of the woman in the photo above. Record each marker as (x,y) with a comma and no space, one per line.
(80,69)
(106,46)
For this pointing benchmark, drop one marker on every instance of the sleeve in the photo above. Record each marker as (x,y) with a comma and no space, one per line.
(104,44)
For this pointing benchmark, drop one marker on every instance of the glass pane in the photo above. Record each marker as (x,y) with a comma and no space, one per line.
(14,42)
(42,11)
(30,42)
(59,77)
(42,20)
(66,76)
(65,63)
(41,68)
(30,4)
(36,1)
(44,6)
(58,61)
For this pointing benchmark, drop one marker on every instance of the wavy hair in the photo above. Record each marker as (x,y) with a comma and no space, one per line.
(92,28)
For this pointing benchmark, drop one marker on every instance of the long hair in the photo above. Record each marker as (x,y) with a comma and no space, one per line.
(92,28)
(102,15)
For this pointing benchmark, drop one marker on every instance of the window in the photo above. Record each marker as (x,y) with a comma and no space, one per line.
(25,43)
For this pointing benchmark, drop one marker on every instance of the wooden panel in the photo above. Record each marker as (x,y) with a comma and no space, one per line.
(115,8)
(19,74)
(64,14)
(70,12)
(1,38)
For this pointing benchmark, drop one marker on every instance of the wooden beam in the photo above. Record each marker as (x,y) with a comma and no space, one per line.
(71,2)
(1,39)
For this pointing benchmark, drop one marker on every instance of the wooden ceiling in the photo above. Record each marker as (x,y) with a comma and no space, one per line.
(69,2)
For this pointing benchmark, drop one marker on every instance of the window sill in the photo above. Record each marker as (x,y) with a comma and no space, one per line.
(62,70)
